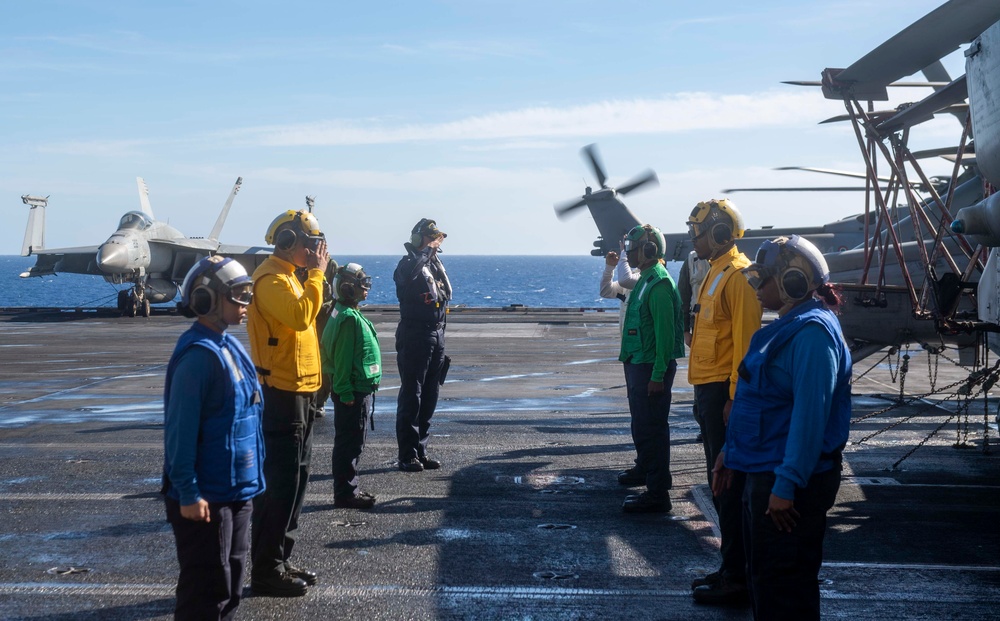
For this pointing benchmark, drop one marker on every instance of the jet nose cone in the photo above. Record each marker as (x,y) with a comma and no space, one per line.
(112,258)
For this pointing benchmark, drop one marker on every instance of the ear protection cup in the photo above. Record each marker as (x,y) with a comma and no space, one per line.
(202,301)
(347,291)
(722,233)
(648,250)
(795,283)
(285,239)
(417,235)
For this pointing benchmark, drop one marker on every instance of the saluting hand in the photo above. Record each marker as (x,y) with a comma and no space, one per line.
(319,258)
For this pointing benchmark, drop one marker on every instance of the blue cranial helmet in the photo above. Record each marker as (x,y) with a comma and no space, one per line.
(794,262)
(211,279)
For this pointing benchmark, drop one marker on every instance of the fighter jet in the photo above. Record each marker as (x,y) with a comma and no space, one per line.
(150,255)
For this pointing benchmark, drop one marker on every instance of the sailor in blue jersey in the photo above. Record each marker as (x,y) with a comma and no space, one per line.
(787,429)
(213,445)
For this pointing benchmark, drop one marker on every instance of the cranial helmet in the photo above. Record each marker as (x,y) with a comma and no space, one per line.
(350,280)
(719,219)
(648,240)
(287,228)
(795,263)
(426,227)
(211,279)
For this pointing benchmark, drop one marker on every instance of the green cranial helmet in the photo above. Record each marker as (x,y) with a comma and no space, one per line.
(647,240)
(350,281)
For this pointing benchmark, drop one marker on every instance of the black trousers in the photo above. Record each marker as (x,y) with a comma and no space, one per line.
(650,429)
(784,567)
(287,422)
(710,400)
(350,423)
(628,390)
(419,356)
(212,557)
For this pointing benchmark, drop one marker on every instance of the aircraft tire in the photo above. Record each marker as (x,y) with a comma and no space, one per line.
(122,300)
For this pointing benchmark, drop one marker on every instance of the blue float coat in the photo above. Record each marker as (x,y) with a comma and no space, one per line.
(213,445)
(793,401)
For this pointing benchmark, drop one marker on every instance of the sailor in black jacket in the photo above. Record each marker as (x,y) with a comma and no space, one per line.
(423,290)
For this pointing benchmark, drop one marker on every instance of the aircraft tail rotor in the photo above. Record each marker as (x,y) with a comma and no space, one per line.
(564,209)
(640,180)
(589,153)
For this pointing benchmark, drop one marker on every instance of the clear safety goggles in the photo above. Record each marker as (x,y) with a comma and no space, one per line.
(765,264)
(313,241)
(242,295)
(634,238)
(756,275)
(693,232)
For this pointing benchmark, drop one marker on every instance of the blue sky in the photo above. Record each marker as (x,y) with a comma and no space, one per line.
(470,112)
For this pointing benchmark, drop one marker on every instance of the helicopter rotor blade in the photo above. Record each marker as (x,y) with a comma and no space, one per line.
(812,189)
(943,151)
(564,209)
(903,84)
(590,154)
(840,173)
(643,178)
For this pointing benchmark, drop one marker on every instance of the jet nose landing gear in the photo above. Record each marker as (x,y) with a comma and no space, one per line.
(133,302)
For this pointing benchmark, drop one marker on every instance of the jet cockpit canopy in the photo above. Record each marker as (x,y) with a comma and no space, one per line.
(135,220)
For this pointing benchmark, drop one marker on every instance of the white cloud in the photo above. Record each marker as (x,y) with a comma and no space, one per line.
(435,180)
(682,112)
(96,148)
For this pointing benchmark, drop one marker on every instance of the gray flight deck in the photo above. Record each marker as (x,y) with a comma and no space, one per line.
(523,521)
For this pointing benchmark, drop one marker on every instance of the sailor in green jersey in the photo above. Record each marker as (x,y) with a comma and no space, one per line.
(354,362)
(652,340)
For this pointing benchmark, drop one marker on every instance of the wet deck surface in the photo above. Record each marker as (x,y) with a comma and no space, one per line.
(523,521)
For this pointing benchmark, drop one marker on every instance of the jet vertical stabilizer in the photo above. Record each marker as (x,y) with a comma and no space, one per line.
(34,235)
(144,197)
(217,229)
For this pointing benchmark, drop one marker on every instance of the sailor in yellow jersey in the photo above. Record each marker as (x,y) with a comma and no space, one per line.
(281,324)
(727,314)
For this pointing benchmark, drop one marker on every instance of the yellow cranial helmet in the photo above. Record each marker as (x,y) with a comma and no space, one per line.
(284,237)
(717,218)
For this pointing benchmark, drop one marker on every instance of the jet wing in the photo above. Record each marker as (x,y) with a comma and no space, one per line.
(82,260)
(172,258)
(929,39)
(250,257)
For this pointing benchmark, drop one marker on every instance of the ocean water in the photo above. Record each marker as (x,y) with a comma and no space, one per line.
(478,281)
